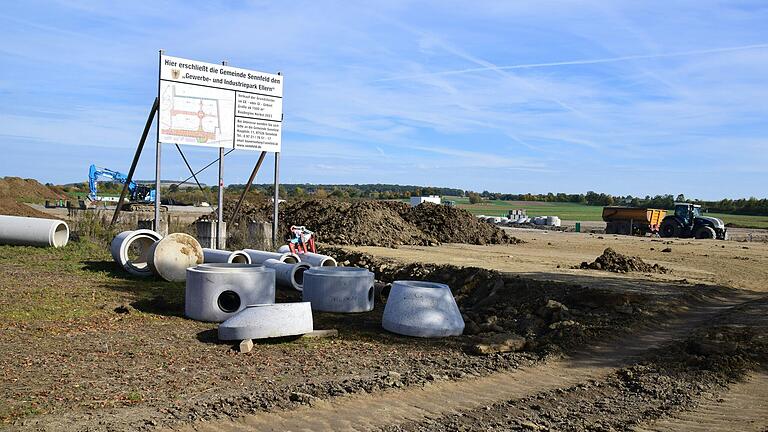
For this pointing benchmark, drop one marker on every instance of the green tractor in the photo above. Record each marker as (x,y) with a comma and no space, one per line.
(688,222)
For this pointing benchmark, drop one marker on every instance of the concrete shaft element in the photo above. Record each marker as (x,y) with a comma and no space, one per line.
(313,259)
(130,249)
(28,231)
(339,289)
(422,309)
(215,292)
(222,256)
(170,257)
(258,257)
(288,275)
(268,321)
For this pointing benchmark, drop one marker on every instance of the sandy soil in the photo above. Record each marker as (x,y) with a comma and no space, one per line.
(551,255)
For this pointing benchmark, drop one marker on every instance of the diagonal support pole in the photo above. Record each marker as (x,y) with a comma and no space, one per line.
(248,186)
(203,168)
(129,178)
(189,168)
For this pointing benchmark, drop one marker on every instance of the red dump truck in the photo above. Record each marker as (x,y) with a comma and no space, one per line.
(632,220)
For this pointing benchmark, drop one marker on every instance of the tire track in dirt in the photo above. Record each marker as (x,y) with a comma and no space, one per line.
(367,412)
(743,408)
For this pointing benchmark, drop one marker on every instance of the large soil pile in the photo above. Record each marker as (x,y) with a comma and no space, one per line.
(26,190)
(613,261)
(11,207)
(452,225)
(377,223)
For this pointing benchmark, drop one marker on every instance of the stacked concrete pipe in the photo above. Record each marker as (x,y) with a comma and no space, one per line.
(217,291)
(339,289)
(222,256)
(288,275)
(258,256)
(121,245)
(28,231)
(313,259)
(170,257)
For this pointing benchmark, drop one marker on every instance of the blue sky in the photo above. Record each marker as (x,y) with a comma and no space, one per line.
(628,97)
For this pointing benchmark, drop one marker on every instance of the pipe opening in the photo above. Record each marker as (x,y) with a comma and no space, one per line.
(370,294)
(61,235)
(298,275)
(290,259)
(240,259)
(328,263)
(229,301)
(137,252)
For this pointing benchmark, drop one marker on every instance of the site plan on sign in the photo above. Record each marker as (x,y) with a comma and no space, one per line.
(212,105)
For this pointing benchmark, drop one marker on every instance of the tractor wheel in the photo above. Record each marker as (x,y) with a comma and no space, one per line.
(705,232)
(670,228)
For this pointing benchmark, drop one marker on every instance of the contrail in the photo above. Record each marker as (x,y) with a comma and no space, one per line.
(579,62)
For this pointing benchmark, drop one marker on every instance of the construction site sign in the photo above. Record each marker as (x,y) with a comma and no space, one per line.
(213,105)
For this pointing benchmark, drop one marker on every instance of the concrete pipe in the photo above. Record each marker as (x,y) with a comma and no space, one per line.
(217,291)
(222,256)
(422,309)
(313,259)
(260,321)
(288,275)
(258,257)
(130,249)
(28,231)
(170,257)
(339,289)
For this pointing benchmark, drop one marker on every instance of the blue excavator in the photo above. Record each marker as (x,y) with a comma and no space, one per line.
(137,194)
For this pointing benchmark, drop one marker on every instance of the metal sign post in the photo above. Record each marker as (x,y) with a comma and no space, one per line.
(157,224)
(220,210)
(277,200)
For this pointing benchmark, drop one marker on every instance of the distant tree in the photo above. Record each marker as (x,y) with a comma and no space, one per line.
(474,198)
(321,193)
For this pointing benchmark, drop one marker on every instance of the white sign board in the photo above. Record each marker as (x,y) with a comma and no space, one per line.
(212,105)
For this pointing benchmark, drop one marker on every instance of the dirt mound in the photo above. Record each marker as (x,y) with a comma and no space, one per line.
(376,223)
(613,261)
(11,207)
(452,225)
(27,190)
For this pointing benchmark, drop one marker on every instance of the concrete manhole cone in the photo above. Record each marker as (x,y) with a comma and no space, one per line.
(422,309)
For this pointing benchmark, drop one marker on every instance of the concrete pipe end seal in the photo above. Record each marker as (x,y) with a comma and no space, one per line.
(170,257)
(261,321)
(422,309)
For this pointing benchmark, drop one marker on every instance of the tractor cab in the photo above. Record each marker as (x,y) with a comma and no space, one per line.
(687,212)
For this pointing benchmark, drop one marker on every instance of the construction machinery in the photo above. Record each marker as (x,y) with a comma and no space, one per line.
(632,220)
(140,197)
(688,222)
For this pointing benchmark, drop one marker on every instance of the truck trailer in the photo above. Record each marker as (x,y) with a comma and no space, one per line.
(632,220)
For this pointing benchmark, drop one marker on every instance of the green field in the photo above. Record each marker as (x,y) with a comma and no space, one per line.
(577,212)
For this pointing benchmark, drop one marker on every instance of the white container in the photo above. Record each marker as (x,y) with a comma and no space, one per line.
(422,309)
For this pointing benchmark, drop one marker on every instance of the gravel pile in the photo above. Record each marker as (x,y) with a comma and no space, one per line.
(613,261)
